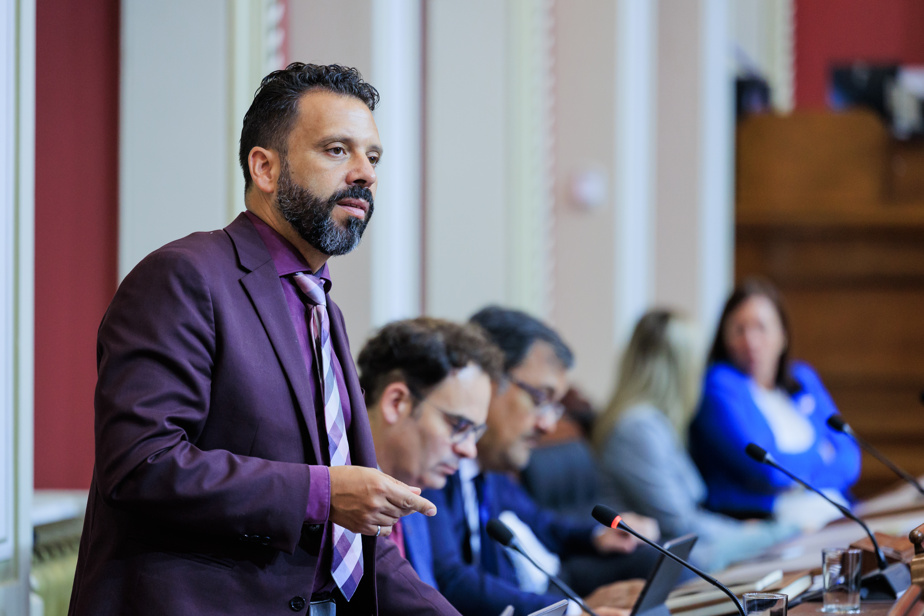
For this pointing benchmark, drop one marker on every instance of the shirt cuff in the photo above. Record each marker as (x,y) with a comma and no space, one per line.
(573,609)
(318,495)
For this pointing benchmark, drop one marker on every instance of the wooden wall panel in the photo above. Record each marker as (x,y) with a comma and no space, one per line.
(778,169)
(831,209)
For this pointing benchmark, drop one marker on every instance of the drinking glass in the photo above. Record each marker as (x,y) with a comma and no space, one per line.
(765,603)
(840,568)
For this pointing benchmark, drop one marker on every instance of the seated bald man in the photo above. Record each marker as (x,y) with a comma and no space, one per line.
(427,387)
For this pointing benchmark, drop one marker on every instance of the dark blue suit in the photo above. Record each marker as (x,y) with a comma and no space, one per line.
(489,586)
(417,547)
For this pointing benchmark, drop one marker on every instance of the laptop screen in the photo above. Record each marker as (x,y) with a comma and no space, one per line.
(663,577)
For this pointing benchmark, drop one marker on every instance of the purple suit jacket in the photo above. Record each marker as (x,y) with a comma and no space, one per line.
(205,428)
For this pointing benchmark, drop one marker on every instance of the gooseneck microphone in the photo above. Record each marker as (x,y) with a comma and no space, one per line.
(890,580)
(608,517)
(837,423)
(499,531)
(760,454)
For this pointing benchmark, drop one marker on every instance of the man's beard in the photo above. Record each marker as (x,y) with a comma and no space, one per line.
(311,217)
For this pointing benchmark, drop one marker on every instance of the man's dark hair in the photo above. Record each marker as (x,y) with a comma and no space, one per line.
(421,353)
(515,332)
(272,113)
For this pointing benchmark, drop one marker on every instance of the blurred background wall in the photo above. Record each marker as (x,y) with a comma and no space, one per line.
(576,159)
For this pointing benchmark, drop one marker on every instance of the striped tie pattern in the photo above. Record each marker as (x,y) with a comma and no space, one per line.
(347,561)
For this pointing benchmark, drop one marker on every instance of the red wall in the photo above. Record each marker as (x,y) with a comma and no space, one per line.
(76,209)
(838,31)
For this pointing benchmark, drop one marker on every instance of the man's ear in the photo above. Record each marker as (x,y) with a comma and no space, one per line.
(396,403)
(265,167)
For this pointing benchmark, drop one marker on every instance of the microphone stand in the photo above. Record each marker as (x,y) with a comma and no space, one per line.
(501,533)
(608,517)
(837,423)
(886,583)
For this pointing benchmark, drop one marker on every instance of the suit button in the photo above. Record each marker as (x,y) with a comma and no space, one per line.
(297,604)
(314,528)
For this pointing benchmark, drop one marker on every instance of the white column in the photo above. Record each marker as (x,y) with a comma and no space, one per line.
(717,119)
(17,246)
(530,177)
(397,65)
(636,35)
(694,229)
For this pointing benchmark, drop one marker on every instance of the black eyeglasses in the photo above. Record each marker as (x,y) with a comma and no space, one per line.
(460,427)
(542,401)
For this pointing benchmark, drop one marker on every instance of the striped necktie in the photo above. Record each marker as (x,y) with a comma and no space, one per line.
(347,561)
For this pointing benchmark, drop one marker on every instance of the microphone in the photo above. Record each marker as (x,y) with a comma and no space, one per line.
(837,423)
(608,517)
(502,534)
(890,580)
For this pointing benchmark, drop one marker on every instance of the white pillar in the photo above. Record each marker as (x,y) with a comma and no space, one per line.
(694,230)
(636,36)
(716,155)
(396,240)
(17,247)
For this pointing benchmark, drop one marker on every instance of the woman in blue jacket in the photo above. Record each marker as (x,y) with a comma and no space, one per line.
(753,393)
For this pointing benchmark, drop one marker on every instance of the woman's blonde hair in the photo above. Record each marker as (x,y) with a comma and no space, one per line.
(661,366)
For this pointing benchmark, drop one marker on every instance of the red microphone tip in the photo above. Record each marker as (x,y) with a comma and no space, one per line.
(616,521)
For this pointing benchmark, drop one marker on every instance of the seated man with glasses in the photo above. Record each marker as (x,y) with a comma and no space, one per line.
(427,386)
(475,573)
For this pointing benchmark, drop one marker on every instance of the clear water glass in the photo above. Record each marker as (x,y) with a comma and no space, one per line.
(765,603)
(840,568)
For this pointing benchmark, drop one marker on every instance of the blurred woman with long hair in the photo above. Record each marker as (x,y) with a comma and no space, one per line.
(640,442)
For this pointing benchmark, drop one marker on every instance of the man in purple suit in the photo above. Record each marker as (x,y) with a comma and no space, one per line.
(235,470)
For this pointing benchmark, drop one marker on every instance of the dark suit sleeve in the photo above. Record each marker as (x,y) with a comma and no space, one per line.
(472,591)
(157,350)
(560,534)
(400,591)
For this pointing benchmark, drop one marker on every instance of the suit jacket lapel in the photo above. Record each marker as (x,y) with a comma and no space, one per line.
(263,287)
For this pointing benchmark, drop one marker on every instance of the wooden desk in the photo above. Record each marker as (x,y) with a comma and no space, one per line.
(803,553)
(908,605)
